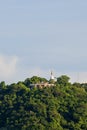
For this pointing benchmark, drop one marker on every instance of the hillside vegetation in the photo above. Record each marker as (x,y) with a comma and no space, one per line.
(60,107)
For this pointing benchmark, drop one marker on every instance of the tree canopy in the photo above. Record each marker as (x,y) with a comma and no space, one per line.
(60,107)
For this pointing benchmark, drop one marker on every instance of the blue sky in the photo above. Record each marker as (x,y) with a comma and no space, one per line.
(39,36)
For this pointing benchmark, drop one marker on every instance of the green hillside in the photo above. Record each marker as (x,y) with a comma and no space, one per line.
(59,107)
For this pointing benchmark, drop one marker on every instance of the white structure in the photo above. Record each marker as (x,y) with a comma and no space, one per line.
(52,77)
(44,84)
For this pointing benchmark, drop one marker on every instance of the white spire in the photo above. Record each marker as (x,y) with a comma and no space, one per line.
(52,77)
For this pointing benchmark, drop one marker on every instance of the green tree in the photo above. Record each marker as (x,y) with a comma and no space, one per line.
(63,80)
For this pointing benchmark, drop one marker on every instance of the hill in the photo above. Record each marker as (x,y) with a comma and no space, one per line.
(59,107)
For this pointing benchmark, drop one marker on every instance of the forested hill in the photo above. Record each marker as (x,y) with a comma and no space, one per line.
(60,107)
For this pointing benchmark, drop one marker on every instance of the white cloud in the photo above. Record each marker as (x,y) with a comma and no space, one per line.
(8,65)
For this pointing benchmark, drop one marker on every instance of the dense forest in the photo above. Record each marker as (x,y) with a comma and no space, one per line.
(59,107)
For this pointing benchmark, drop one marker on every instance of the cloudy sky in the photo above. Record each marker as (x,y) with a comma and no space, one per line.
(42,35)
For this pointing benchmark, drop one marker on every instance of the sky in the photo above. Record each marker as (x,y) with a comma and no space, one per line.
(39,36)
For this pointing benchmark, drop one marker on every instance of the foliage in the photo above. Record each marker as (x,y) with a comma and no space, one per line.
(61,107)
(63,80)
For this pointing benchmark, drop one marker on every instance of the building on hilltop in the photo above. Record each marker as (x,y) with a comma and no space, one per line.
(41,85)
(44,84)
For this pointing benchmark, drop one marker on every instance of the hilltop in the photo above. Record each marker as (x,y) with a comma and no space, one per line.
(63,106)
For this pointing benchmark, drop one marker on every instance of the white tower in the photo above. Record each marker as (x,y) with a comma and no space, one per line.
(52,77)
